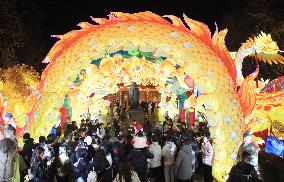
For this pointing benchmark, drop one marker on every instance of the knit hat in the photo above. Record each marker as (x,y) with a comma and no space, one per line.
(88,140)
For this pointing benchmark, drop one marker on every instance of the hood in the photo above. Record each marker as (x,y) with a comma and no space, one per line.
(187,149)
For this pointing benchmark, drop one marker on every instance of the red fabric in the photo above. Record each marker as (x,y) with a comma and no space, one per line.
(191,118)
(138,127)
(183,115)
(18,130)
(63,112)
(262,134)
(188,93)
(189,81)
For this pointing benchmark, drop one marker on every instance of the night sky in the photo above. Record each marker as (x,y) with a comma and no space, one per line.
(63,16)
(37,20)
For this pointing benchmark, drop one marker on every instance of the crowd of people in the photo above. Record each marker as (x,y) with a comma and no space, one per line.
(91,151)
(81,153)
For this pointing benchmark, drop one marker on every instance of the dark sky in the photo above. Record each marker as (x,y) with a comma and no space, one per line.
(61,16)
(39,19)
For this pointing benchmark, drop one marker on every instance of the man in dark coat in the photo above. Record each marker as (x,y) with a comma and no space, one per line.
(42,166)
(116,127)
(147,126)
(79,164)
(27,148)
(138,157)
(243,171)
(117,153)
(100,164)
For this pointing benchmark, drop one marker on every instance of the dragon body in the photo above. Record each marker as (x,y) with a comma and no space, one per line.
(177,46)
(202,56)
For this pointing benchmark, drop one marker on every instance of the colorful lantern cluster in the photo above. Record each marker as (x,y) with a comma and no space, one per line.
(190,51)
(87,64)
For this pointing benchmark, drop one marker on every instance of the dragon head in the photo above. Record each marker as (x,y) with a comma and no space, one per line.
(265,44)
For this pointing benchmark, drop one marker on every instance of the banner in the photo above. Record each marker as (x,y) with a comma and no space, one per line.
(274,146)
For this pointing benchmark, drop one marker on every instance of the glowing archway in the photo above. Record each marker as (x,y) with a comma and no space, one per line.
(205,59)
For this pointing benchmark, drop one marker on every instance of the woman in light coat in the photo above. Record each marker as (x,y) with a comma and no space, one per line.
(168,152)
(155,163)
(207,153)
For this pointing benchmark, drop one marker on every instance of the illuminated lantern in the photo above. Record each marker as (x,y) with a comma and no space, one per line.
(167,68)
(189,81)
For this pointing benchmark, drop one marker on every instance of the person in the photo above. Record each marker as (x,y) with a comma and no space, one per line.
(251,148)
(79,164)
(126,173)
(207,153)
(147,125)
(118,152)
(108,118)
(128,145)
(183,163)
(168,152)
(115,108)
(149,108)
(8,152)
(100,165)
(63,170)
(168,123)
(105,144)
(41,141)
(138,156)
(153,105)
(146,107)
(243,171)
(123,114)
(155,163)
(27,148)
(42,165)
(83,123)
(100,118)
(195,151)
(116,127)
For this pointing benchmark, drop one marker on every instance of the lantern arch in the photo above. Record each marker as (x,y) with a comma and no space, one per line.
(204,58)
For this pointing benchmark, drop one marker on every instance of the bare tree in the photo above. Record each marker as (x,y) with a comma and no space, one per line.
(245,19)
(20,33)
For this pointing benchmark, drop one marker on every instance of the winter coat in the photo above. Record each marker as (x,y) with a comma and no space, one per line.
(168,152)
(138,158)
(134,177)
(195,151)
(43,172)
(8,151)
(207,152)
(155,149)
(243,171)
(99,164)
(183,163)
(28,151)
(117,152)
(147,126)
(78,166)
(105,145)
(252,153)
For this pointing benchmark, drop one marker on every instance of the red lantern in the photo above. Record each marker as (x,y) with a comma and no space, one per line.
(189,81)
